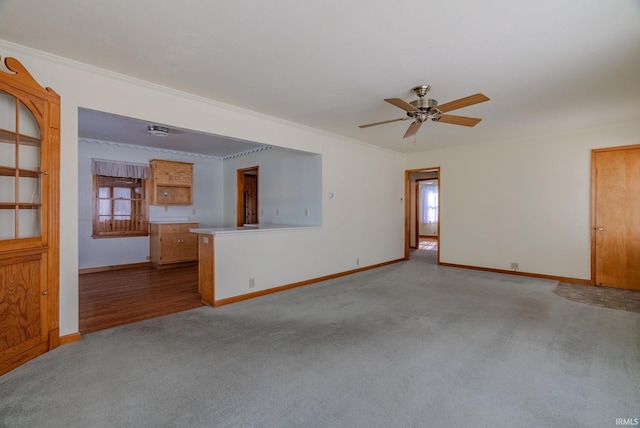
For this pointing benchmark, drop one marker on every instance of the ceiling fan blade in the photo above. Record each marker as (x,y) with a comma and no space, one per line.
(458,120)
(413,129)
(463,102)
(382,123)
(401,103)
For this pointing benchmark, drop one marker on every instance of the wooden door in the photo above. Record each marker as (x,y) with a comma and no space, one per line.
(251,199)
(616,217)
(247,202)
(29,226)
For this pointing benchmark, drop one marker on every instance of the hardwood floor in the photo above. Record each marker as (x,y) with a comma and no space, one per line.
(119,297)
(428,243)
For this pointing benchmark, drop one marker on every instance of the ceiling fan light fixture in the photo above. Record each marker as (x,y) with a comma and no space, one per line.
(157,131)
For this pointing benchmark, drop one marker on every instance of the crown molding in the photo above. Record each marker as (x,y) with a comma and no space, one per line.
(178,152)
(248,152)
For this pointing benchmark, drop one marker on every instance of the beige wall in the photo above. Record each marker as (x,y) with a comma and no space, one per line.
(525,201)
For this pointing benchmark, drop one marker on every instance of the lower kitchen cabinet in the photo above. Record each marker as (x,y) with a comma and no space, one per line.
(173,243)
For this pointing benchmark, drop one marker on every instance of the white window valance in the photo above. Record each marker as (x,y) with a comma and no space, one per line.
(120,169)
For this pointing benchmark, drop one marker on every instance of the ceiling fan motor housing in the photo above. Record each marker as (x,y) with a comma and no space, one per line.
(427,109)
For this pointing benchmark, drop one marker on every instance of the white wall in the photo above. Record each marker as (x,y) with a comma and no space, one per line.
(207,202)
(363,202)
(524,201)
(362,225)
(289,183)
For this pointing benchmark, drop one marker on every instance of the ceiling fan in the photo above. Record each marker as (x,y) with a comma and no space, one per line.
(421,110)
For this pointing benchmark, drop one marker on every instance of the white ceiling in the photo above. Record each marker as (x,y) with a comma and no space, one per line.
(548,66)
(94,125)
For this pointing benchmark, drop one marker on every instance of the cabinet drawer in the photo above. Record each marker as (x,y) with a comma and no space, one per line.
(166,229)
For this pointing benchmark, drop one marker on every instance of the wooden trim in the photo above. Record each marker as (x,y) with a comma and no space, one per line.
(610,149)
(70,338)
(416,213)
(579,281)
(248,296)
(113,267)
(593,218)
(6,365)
(206,268)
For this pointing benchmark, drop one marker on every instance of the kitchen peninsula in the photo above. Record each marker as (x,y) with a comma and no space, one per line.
(231,259)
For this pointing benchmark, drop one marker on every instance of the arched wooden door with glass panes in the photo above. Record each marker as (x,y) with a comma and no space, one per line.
(29,237)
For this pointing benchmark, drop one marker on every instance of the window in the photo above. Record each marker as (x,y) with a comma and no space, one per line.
(429,201)
(120,207)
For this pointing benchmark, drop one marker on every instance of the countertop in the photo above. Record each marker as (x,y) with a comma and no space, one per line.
(249,228)
(172,220)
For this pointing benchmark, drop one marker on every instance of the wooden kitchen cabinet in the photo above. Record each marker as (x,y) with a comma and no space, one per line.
(173,243)
(171,183)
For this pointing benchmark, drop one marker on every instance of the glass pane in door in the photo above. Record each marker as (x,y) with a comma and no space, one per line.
(7,224)
(7,112)
(29,221)
(28,124)
(7,153)
(29,190)
(29,155)
(7,190)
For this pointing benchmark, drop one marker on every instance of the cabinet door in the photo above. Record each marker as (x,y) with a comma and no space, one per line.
(177,243)
(23,309)
(171,248)
(173,173)
(190,250)
(21,172)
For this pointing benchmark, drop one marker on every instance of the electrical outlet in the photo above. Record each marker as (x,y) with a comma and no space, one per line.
(277,211)
(252,282)
(306,212)
(166,208)
(514,266)
(357,262)
(194,211)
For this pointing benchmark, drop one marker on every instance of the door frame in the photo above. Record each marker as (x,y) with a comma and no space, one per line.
(593,202)
(407,208)
(240,206)
(417,207)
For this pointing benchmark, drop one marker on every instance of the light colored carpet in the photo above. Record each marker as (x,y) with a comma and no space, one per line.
(410,344)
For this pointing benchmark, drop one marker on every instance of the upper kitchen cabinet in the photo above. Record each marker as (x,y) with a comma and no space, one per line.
(171,183)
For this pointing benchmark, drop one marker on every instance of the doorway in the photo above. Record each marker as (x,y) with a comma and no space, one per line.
(247,210)
(422,223)
(615,231)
